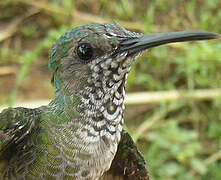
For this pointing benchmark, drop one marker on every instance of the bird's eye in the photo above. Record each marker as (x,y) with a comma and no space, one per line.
(84,51)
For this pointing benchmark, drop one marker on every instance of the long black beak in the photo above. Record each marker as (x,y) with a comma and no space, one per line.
(137,44)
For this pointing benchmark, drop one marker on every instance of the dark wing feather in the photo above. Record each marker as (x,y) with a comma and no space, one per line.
(128,163)
(16,124)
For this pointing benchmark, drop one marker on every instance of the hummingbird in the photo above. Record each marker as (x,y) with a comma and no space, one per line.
(79,135)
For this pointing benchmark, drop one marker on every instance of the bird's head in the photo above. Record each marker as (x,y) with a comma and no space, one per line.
(100,55)
(88,56)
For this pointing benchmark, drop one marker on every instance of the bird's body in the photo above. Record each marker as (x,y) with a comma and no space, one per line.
(77,135)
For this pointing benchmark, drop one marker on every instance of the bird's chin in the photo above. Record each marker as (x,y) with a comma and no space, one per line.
(132,57)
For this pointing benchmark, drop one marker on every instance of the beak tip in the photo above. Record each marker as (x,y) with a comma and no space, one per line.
(217,36)
(213,36)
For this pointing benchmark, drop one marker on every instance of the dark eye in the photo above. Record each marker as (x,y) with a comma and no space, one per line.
(84,51)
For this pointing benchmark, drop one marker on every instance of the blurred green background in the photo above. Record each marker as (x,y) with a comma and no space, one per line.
(180,139)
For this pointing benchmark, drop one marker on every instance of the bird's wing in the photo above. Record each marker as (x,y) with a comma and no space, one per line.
(16,124)
(128,163)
